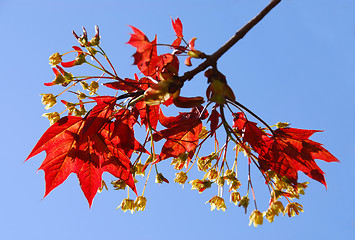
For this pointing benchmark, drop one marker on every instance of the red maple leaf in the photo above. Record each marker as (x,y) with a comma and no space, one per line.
(214,118)
(145,57)
(290,151)
(85,146)
(129,85)
(251,133)
(148,114)
(182,133)
(287,151)
(177,26)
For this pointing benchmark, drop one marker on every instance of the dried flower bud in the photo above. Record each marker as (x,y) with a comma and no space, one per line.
(159,178)
(235,197)
(140,203)
(127,204)
(119,184)
(83,40)
(55,59)
(244,202)
(256,217)
(103,185)
(180,177)
(52,117)
(217,202)
(81,95)
(49,100)
(292,209)
(95,39)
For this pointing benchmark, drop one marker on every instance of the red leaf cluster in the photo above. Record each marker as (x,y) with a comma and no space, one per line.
(181,133)
(286,152)
(88,147)
(146,57)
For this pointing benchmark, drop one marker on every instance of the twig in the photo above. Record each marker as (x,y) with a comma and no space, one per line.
(212,59)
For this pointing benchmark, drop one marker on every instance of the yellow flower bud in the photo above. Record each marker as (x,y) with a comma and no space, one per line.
(220,181)
(235,197)
(256,217)
(81,95)
(212,174)
(157,93)
(205,163)
(235,184)
(52,117)
(282,124)
(217,202)
(127,204)
(203,133)
(55,59)
(49,100)
(139,169)
(274,209)
(140,203)
(229,175)
(293,209)
(277,207)
(59,79)
(85,85)
(93,87)
(196,54)
(200,185)
(179,161)
(180,177)
(92,50)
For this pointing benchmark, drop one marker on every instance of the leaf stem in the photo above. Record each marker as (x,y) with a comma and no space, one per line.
(253,114)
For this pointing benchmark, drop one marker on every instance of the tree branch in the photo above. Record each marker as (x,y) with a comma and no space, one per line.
(212,59)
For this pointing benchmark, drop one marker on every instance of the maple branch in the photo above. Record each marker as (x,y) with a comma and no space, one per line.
(212,59)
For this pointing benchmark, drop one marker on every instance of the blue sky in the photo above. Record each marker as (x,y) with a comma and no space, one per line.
(297,65)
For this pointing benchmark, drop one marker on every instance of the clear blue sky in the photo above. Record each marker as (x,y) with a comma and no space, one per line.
(298,66)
